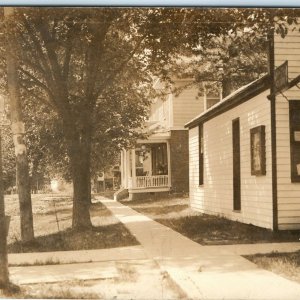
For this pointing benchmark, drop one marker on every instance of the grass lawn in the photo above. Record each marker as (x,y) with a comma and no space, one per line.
(52,217)
(284,264)
(206,229)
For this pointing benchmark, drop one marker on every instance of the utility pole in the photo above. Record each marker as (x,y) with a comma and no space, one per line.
(4,278)
(18,130)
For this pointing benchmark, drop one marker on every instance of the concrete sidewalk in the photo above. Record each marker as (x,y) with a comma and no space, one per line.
(250,249)
(113,279)
(80,256)
(63,272)
(203,272)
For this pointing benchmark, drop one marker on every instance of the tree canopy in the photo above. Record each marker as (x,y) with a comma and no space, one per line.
(87,74)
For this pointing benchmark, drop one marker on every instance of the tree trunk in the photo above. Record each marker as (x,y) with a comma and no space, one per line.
(18,130)
(226,87)
(4,278)
(24,192)
(79,148)
(82,190)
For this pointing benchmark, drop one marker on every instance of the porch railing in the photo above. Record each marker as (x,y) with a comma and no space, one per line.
(152,181)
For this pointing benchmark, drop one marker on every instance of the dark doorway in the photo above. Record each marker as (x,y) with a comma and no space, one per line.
(236,164)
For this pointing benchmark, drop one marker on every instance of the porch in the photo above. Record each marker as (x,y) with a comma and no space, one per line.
(149,181)
(146,168)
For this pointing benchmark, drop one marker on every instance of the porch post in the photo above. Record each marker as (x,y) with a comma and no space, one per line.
(123,168)
(169,164)
(127,168)
(133,168)
(204,97)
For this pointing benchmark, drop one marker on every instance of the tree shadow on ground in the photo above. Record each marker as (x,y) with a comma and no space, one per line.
(213,230)
(99,210)
(107,194)
(153,200)
(55,211)
(162,210)
(101,237)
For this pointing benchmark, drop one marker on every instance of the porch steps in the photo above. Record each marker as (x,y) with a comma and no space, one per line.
(120,194)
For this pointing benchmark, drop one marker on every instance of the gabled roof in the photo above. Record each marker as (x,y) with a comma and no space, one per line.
(239,96)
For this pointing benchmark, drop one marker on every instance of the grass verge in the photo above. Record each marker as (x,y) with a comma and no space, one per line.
(206,229)
(284,264)
(55,291)
(101,237)
(53,228)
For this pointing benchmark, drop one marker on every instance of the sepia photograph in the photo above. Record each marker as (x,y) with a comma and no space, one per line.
(149,152)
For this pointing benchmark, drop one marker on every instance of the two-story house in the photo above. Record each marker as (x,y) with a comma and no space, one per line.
(159,164)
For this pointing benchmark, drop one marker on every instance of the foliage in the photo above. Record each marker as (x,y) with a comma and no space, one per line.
(225,63)
(228,48)
(90,72)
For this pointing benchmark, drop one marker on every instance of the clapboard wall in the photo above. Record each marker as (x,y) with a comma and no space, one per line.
(287,48)
(215,196)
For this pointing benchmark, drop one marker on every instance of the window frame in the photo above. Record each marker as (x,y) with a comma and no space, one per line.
(261,133)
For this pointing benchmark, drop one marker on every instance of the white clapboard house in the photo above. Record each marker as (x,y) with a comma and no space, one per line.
(159,164)
(244,151)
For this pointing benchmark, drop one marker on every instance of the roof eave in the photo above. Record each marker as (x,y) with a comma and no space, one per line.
(244,95)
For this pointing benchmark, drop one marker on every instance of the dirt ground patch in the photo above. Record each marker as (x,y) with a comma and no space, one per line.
(134,279)
(284,264)
(206,229)
(52,217)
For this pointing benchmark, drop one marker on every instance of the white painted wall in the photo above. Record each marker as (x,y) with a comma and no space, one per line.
(288,192)
(186,105)
(159,112)
(174,111)
(216,195)
(288,48)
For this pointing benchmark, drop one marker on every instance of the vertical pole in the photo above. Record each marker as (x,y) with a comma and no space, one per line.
(273,125)
(122,168)
(18,131)
(169,165)
(128,168)
(204,97)
(4,278)
(133,168)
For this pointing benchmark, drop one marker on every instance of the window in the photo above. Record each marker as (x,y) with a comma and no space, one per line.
(295,140)
(211,100)
(159,159)
(258,150)
(201,158)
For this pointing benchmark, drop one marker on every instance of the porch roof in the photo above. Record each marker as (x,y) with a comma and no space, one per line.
(156,137)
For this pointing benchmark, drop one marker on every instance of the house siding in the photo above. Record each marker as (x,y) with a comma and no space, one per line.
(215,196)
(160,112)
(288,48)
(196,192)
(288,193)
(186,105)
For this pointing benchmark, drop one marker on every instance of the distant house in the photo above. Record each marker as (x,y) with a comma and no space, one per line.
(159,164)
(232,146)
(107,180)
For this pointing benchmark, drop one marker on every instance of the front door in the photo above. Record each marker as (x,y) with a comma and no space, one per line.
(236,164)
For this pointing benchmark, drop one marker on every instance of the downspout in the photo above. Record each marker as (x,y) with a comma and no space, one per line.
(273,128)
